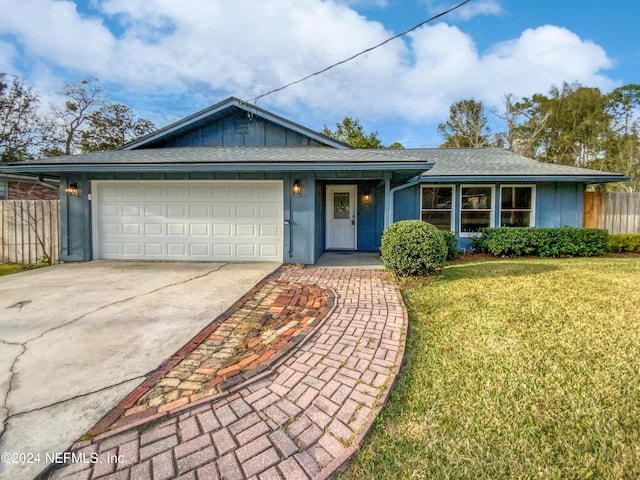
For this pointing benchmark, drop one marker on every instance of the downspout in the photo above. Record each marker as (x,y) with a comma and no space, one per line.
(391,193)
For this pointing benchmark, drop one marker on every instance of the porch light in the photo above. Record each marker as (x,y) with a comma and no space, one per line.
(296,187)
(71,189)
(367,196)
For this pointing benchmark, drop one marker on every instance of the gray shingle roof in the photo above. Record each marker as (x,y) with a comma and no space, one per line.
(490,162)
(447,164)
(234,155)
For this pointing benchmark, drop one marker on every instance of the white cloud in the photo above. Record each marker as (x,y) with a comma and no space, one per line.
(192,53)
(465,12)
(8,55)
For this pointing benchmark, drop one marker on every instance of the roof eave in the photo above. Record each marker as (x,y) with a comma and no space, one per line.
(413,167)
(524,178)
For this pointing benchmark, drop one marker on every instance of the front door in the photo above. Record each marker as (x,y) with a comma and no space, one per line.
(341,217)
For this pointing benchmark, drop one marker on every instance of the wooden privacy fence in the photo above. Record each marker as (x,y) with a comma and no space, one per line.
(28,230)
(617,212)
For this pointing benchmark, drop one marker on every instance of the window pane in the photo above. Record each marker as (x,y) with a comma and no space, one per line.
(437,198)
(474,221)
(440,218)
(341,208)
(517,197)
(475,198)
(515,219)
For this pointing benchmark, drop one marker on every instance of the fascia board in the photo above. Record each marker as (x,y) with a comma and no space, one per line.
(526,178)
(218,167)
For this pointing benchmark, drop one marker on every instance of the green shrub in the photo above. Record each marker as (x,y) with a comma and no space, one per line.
(543,242)
(413,247)
(452,245)
(625,242)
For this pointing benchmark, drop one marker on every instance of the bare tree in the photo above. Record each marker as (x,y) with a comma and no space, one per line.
(20,127)
(68,122)
(525,124)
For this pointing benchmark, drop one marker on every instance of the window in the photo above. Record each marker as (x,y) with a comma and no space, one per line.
(476,208)
(516,206)
(3,190)
(437,206)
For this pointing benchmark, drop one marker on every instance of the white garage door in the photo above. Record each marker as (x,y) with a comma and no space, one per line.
(188,220)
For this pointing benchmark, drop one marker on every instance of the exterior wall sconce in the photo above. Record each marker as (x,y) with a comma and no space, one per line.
(71,189)
(296,187)
(367,196)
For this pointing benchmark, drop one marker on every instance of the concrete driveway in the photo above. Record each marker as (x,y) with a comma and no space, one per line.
(76,338)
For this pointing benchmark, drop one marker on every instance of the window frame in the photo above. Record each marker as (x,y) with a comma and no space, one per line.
(491,210)
(4,190)
(452,210)
(532,210)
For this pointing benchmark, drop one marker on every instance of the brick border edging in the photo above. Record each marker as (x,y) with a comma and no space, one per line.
(102,426)
(341,461)
(269,369)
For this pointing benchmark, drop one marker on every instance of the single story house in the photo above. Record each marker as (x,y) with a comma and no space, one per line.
(235,182)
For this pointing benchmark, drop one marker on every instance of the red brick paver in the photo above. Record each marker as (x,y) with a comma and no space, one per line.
(303,419)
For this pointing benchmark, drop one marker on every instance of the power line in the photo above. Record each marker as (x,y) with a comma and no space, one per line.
(319,72)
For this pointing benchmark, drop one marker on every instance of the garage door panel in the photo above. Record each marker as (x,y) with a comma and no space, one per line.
(269,230)
(177,249)
(199,211)
(153,229)
(129,210)
(188,220)
(246,211)
(153,211)
(199,230)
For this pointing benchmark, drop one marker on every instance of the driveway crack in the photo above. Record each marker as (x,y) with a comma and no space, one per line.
(24,346)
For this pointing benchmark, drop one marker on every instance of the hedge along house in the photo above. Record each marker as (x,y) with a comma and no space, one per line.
(235,182)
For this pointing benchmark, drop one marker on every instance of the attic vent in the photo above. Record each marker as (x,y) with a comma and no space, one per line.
(241,126)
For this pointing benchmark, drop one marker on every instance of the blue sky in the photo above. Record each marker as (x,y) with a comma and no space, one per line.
(169,58)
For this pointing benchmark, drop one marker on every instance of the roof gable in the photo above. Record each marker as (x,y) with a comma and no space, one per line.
(233,123)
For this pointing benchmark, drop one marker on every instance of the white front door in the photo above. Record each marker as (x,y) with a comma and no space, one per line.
(341,217)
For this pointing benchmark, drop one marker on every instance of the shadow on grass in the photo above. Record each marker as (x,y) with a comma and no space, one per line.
(500,268)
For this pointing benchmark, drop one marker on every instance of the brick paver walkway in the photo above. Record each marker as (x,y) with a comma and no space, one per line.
(302,419)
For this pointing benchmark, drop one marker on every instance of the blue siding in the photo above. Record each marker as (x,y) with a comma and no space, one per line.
(370,216)
(302,219)
(406,204)
(560,205)
(75,222)
(320,218)
(235,130)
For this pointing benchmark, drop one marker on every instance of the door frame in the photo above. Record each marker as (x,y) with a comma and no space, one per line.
(353,194)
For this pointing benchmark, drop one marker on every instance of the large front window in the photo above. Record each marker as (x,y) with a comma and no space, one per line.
(437,206)
(476,208)
(516,206)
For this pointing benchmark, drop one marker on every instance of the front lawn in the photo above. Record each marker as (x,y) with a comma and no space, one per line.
(516,369)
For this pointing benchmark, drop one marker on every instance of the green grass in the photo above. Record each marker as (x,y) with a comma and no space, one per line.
(9,268)
(516,369)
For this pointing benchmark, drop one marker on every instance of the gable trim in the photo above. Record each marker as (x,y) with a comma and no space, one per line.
(250,109)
